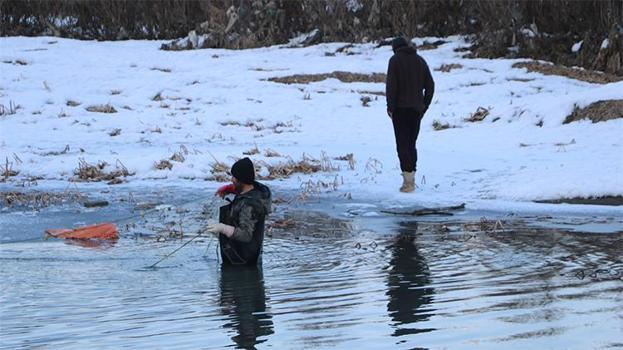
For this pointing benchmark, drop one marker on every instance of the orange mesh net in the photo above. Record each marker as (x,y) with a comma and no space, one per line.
(99,231)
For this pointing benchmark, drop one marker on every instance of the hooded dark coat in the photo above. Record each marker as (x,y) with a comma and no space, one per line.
(409,83)
(247,213)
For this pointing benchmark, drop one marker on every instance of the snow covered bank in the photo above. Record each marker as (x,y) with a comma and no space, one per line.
(194,108)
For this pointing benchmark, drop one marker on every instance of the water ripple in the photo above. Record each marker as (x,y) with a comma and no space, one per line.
(406,289)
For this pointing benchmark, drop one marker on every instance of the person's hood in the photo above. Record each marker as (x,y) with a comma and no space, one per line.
(409,49)
(260,193)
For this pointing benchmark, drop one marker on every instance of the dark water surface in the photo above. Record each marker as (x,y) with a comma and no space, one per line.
(392,283)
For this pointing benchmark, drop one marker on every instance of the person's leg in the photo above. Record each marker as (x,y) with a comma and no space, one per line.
(416,120)
(402,132)
(412,119)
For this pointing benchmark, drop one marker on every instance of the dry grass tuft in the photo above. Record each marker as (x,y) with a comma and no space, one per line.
(115,132)
(311,187)
(95,172)
(220,170)
(287,169)
(474,83)
(326,164)
(158,97)
(573,73)
(365,101)
(269,153)
(163,164)
(281,170)
(165,70)
(346,49)
(480,114)
(7,170)
(251,152)
(368,92)
(55,153)
(17,62)
(86,171)
(448,67)
(521,80)
(427,45)
(107,108)
(345,77)
(350,158)
(279,127)
(115,92)
(180,155)
(437,125)
(230,123)
(599,111)
(10,109)
(253,124)
(374,165)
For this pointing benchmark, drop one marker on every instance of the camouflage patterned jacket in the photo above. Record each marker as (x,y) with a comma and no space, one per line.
(247,213)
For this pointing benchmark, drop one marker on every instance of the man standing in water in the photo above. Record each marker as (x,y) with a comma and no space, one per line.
(241,227)
(407,77)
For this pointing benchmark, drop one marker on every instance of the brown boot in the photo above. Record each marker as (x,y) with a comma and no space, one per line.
(408,182)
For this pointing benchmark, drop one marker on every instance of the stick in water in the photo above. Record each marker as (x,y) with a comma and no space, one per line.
(173,252)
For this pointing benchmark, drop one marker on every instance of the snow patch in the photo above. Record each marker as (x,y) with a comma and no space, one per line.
(577,46)
(519,152)
(354,5)
(303,38)
(528,33)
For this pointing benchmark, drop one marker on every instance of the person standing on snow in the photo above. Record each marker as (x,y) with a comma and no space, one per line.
(241,227)
(409,91)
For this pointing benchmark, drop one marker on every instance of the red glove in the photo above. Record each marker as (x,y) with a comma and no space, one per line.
(225,190)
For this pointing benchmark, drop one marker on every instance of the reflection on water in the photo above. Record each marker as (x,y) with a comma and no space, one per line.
(408,283)
(92,243)
(243,300)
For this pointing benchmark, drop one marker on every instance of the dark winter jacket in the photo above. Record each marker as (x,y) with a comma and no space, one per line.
(247,213)
(407,76)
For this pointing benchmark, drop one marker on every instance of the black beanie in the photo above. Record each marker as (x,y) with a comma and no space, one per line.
(399,42)
(243,171)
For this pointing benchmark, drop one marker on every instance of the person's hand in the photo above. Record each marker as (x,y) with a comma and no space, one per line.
(225,190)
(390,114)
(227,230)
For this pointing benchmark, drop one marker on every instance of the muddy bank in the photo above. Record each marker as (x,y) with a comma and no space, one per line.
(606,200)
